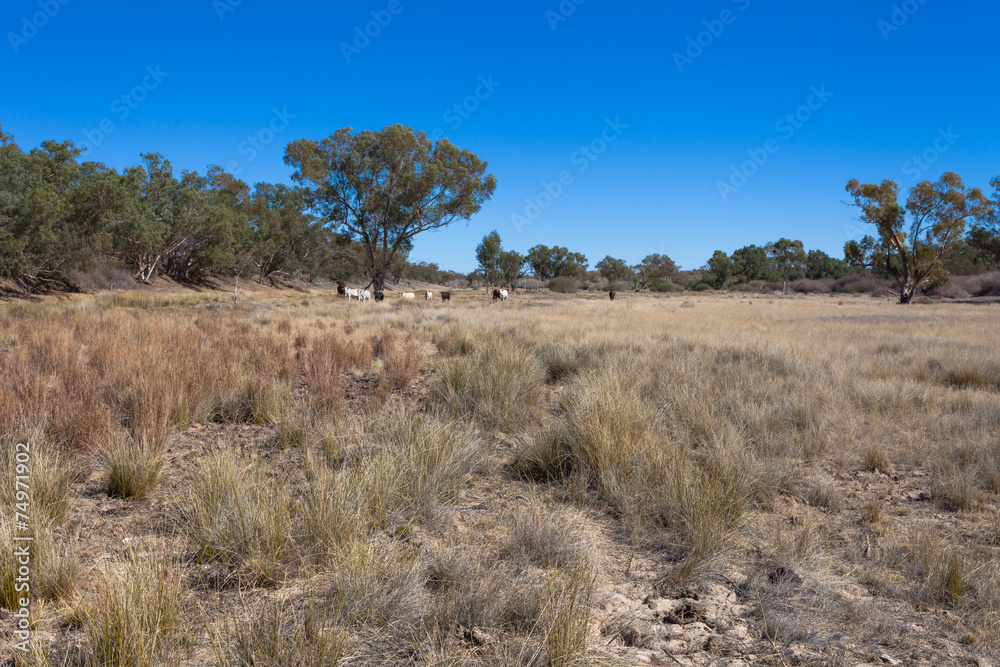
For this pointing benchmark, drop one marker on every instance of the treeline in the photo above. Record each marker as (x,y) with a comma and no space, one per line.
(781,262)
(60,214)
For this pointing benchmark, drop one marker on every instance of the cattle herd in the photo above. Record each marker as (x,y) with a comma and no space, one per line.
(365,295)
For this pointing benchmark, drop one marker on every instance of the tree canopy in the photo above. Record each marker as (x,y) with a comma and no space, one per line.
(912,239)
(384,188)
(556,262)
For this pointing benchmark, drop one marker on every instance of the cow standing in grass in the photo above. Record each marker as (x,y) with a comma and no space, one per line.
(446,296)
(612,294)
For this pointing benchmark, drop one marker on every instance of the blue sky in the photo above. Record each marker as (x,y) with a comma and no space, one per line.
(683,94)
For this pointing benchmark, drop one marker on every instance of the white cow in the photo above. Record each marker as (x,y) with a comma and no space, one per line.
(428,295)
(503,295)
(409,296)
(353,294)
(365,296)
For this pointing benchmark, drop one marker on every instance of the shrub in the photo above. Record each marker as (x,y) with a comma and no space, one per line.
(563,285)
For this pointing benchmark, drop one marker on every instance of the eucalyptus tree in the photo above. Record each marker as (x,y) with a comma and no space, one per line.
(386,187)
(788,259)
(913,238)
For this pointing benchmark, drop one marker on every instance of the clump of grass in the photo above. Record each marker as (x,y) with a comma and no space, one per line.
(470,589)
(133,617)
(51,476)
(955,487)
(249,398)
(132,467)
(373,583)
(944,572)
(400,366)
(278,633)
(500,384)
(547,537)
(567,617)
(54,569)
(875,458)
(239,516)
(561,359)
(822,492)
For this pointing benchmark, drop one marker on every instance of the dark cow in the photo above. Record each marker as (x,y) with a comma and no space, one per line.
(380,296)
(612,295)
(341,289)
(446,296)
(496,295)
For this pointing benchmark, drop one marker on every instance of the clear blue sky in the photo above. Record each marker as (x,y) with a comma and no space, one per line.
(224,67)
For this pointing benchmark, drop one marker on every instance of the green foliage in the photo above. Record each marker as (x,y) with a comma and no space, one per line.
(721,267)
(615,270)
(820,265)
(488,255)
(656,266)
(914,239)
(548,263)
(384,188)
(751,263)
(788,258)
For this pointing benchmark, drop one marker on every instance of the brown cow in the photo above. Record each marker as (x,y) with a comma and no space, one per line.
(446,296)
(496,295)
(612,295)
(341,289)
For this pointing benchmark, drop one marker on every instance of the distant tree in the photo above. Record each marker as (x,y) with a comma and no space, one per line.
(512,265)
(788,259)
(656,266)
(488,254)
(967,258)
(819,265)
(751,263)
(918,236)
(547,263)
(615,270)
(721,267)
(985,233)
(385,188)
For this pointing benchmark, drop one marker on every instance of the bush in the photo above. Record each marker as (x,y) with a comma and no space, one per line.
(563,285)
(806,286)
(664,285)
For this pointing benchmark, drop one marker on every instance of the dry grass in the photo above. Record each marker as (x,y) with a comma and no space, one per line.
(133,618)
(493,484)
